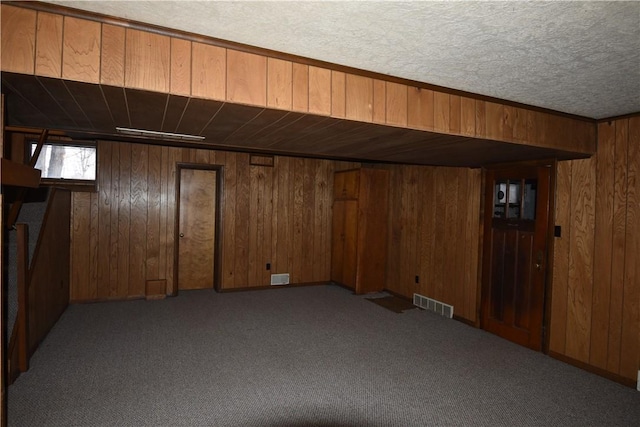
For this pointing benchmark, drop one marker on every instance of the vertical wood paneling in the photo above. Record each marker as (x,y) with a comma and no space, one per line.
(112,55)
(229,228)
(455,114)
(359,98)
(208,71)
(243,185)
(338,97)
(279,84)
(462,196)
(379,102)
(92,292)
(18,39)
(164,205)
(246,78)
(124,218)
(138,221)
(441,112)
(80,245)
(558,326)
(319,91)
(474,221)
(296,220)
(440,178)
(396,103)
(596,291)
(467,116)
(153,213)
(281,217)
(104,219)
(409,207)
(602,246)
(494,120)
(308,236)
(82,47)
(180,79)
(255,226)
(114,201)
(618,245)
(320,216)
(581,260)
(275,195)
(267,223)
(450,252)
(300,76)
(147,61)
(172,158)
(481,119)
(519,130)
(630,337)
(49,45)
(428,230)
(420,108)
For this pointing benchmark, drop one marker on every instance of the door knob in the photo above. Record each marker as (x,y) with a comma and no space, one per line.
(181,234)
(539,260)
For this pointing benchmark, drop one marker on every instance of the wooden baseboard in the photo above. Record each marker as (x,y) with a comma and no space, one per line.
(263,288)
(466,321)
(96,300)
(594,369)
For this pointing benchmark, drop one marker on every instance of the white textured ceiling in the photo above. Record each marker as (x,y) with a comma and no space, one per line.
(576,57)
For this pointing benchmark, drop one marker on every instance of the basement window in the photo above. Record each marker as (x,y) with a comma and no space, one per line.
(68,165)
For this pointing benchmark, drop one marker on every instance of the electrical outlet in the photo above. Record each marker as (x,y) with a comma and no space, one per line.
(268,266)
(417,279)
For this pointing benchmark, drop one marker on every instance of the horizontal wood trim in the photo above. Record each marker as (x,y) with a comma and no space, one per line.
(593,369)
(53,8)
(623,116)
(264,288)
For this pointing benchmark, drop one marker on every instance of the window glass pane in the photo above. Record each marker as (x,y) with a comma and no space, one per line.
(500,199)
(67,162)
(513,198)
(530,191)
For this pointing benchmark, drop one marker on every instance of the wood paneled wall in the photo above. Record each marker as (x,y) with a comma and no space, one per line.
(53,45)
(123,235)
(595,313)
(434,233)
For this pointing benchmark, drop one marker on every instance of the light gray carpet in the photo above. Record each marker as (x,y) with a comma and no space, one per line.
(311,356)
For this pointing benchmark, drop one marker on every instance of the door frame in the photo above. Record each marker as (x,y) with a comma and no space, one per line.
(548,285)
(217,245)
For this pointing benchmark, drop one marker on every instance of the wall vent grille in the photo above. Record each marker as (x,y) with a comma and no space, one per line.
(279,279)
(438,307)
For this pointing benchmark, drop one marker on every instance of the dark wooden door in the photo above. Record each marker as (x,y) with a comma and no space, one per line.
(516,224)
(196,228)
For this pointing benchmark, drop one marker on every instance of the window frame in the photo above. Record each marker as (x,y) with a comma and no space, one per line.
(85,185)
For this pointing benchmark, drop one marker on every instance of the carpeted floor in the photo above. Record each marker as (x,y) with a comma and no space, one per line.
(310,356)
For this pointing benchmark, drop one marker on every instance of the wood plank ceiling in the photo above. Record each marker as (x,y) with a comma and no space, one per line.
(92,111)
